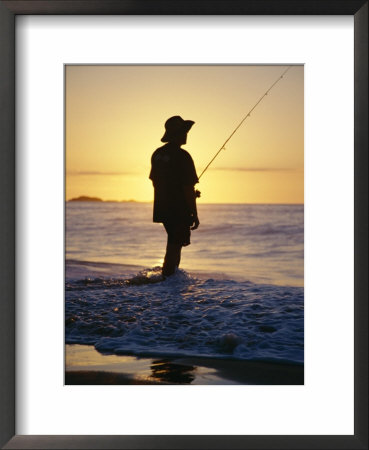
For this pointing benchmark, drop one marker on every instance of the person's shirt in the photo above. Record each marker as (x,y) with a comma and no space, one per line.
(171,168)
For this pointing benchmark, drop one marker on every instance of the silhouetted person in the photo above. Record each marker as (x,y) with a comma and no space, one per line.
(174,176)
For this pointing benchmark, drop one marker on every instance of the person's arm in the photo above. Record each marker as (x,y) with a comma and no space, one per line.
(190,197)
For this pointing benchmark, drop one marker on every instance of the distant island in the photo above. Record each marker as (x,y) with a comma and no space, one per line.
(86,198)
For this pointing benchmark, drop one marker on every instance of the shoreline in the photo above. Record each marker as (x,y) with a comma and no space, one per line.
(86,366)
(78,269)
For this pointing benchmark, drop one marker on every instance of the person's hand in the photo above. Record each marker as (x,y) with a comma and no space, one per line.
(195,223)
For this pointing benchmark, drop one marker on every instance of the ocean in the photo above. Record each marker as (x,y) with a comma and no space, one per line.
(238,294)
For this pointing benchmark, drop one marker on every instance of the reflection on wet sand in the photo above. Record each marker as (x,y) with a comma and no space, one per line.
(169,372)
(84,365)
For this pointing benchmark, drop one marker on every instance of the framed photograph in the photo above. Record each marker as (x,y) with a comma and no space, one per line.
(178,301)
(138,312)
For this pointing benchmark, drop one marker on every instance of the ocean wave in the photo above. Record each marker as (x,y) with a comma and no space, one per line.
(76,269)
(183,315)
(252,230)
(263,243)
(78,262)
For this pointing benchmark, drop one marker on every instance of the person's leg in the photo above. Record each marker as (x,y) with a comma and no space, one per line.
(179,257)
(171,259)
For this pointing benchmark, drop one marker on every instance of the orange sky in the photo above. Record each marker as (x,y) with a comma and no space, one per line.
(115,119)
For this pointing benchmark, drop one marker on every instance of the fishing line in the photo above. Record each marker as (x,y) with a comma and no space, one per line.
(243,120)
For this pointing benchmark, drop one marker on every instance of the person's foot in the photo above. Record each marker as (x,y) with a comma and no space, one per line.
(167,272)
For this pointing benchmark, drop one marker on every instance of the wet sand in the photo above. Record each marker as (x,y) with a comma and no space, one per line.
(85,366)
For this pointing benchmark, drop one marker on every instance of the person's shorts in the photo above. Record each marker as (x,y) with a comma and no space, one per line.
(178,233)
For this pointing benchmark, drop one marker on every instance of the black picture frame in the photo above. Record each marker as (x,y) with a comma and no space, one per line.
(8,11)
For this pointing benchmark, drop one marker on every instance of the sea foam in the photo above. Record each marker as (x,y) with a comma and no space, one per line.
(186,316)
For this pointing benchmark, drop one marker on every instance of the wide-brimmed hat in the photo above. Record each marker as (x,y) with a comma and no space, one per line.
(175,126)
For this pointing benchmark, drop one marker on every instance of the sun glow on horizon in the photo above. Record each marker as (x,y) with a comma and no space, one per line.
(115,119)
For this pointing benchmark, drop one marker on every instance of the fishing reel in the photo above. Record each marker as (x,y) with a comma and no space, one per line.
(197,193)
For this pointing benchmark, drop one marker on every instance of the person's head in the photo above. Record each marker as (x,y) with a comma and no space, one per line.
(176,130)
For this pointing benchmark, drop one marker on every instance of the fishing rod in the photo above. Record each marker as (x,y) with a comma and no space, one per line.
(243,120)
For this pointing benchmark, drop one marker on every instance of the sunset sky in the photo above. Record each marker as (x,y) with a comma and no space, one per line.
(115,119)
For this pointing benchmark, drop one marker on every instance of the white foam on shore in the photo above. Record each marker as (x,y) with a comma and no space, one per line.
(186,316)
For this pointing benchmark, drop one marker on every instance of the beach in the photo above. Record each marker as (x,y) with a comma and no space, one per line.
(86,366)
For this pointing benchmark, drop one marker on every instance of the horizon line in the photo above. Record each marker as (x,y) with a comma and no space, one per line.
(74,200)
